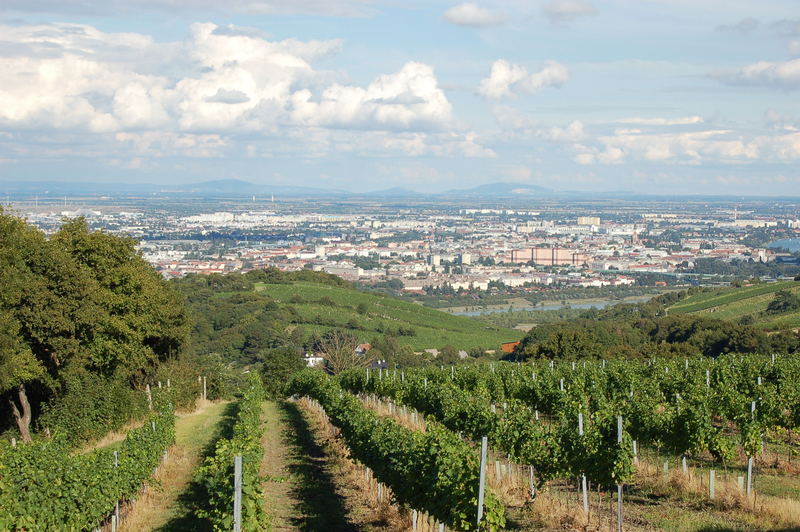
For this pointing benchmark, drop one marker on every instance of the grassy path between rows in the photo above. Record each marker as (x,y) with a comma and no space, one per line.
(166,504)
(300,491)
(310,484)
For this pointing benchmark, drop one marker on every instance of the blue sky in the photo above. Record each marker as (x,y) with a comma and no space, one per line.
(662,96)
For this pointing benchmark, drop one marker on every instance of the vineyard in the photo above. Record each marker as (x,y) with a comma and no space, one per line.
(749,302)
(605,423)
(500,446)
(44,485)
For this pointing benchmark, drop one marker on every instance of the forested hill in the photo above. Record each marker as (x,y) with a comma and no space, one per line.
(246,317)
(754,319)
(83,318)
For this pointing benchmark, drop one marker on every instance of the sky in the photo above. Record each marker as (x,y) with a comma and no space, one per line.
(647,96)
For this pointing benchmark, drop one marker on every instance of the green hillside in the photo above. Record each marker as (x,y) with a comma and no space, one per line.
(748,303)
(321,307)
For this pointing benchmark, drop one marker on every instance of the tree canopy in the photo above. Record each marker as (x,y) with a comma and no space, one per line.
(75,302)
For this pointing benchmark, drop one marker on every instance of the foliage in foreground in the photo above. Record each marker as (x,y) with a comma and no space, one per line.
(435,471)
(216,475)
(43,486)
(554,449)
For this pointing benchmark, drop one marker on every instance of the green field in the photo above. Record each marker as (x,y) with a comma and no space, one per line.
(432,328)
(733,304)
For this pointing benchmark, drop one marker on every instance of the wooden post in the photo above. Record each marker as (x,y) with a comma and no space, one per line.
(205,389)
(482,481)
(237,493)
(749,475)
(149,397)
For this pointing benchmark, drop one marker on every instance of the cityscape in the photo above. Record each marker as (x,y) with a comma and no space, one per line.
(530,243)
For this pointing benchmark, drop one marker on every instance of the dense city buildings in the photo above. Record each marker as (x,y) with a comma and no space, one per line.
(419,248)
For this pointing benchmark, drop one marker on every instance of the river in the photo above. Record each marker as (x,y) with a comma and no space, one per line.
(792,244)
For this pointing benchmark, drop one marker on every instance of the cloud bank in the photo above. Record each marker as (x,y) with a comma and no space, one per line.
(191,97)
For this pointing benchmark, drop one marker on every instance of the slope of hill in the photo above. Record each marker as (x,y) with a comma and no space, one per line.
(321,307)
(749,302)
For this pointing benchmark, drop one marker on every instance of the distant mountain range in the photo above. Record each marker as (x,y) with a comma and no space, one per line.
(236,187)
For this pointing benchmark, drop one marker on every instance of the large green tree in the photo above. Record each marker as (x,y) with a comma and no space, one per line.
(78,301)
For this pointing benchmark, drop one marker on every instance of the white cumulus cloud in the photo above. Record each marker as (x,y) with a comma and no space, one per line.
(410,98)
(201,96)
(473,15)
(506,79)
(777,74)
(75,77)
(573,132)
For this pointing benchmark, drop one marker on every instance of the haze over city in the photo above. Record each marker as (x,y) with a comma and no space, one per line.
(665,97)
